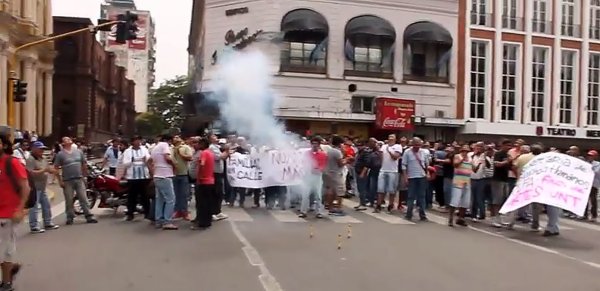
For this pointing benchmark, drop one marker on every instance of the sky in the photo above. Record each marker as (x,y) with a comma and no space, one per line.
(172,18)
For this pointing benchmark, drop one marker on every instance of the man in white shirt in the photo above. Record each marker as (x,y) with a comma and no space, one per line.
(135,160)
(21,152)
(162,170)
(387,182)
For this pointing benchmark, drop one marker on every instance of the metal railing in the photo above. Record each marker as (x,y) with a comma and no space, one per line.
(595,32)
(482,19)
(570,30)
(514,23)
(541,26)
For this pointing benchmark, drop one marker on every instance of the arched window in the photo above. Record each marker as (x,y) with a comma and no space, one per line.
(305,42)
(427,52)
(369,47)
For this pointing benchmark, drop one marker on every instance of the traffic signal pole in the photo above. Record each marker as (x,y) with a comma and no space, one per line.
(12,62)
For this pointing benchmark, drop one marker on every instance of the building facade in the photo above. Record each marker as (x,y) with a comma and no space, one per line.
(21,22)
(332,62)
(532,69)
(139,55)
(94,98)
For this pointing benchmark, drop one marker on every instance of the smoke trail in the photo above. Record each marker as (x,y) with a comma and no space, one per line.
(242,88)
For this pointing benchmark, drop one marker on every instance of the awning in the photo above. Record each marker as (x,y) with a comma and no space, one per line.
(369,25)
(428,32)
(304,20)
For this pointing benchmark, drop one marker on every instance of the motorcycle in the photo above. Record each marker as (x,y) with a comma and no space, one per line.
(110,191)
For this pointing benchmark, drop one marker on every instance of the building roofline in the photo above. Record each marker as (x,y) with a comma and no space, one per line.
(70,19)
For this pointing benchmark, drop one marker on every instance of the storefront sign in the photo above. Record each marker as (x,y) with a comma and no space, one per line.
(555,131)
(394,114)
(231,12)
(593,133)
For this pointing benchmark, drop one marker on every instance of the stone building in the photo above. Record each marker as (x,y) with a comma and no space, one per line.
(94,99)
(21,22)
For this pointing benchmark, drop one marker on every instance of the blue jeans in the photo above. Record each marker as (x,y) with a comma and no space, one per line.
(448,190)
(315,190)
(164,200)
(478,187)
(44,202)
(417,190)
(181,186)
(363,189)
(373,177)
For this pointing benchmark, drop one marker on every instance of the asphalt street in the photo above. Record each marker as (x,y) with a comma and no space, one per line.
(260,250)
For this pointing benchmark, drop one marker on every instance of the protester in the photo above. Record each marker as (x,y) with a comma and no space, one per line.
(40,170)
(592,211)
(219,172)
(479,181)
(14,194)
(414,166)
(135,163)
(461,186)
(314,180)
(387,182)
(182,154)
(111,157)
(205,186)
(73,165)
(162,164)
(502,165)
(333,177)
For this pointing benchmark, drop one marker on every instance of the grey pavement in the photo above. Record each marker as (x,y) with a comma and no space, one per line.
(256,250)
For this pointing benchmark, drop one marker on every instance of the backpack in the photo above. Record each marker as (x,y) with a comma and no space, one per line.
(32,198)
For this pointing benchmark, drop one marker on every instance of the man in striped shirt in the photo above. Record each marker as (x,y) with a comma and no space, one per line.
(135,160)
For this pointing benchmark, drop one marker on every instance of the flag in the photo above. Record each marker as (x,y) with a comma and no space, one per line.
(349,50)
(318,51)
(444,60)
(388,59)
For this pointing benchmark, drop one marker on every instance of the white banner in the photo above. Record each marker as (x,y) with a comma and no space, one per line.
(271,168)
(553,179)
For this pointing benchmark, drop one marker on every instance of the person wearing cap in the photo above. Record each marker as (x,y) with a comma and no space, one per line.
(592,211)
(39,168)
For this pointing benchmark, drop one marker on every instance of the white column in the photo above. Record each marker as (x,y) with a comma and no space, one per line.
(556,61)
(39,104)
(29,109)
(467,66)
(48,105)
(527,59)
(497,59)
(583,66)
(28,8)
(48,18)
(4,80)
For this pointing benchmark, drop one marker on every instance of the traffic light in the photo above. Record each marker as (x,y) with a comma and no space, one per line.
(17,90)
(126,28)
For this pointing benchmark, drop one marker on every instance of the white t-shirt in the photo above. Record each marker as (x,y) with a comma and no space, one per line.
(388,164)
(21,155)
(134,161)
(162,169)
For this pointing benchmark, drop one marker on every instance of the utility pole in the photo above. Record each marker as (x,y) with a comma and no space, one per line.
(126,30)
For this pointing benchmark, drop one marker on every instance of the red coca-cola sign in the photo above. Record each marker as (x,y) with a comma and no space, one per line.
(394,114)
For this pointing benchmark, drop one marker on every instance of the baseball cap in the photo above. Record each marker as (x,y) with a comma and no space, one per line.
(38,145)
(592,153)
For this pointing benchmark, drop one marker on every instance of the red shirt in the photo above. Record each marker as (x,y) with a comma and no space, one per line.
(349,151)
(9,198)
(320,159)
(206,173)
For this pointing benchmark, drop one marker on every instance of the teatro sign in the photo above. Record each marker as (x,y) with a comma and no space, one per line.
(568,132)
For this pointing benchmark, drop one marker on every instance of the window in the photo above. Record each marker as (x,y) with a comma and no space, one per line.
(538,85)
(593,98)
(567,87)
(509,82)
(479,14)
(540,14)
(595,19)
(304,54)
(368,59)
(478,79)
(568,20)
(362,104)
(509,14)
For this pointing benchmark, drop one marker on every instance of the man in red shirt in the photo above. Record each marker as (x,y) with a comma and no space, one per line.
(314,179)
(14,193)
(205,185)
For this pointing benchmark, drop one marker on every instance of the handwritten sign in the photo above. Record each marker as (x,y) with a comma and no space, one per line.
(553,179)
(271,168)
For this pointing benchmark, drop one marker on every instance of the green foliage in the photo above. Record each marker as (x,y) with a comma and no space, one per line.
(166,101)
(148,124)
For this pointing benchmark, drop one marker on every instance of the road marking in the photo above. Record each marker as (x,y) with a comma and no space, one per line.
(286,216)
(391,219)
(577,224)
(343,219)
(238,214)
(525,244)
(267,280)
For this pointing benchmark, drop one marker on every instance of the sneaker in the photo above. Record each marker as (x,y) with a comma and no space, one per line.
(222,216)
(548,233)
(509,225)
(360,208)
(51,226)
(70,221)
(302,215)
(461,222)
(319,216)
(6,287)
(37,230)
(474,219)
(91,220)
(169,226)
(214,218)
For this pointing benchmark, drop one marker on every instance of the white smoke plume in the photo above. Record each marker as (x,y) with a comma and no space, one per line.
(242,87)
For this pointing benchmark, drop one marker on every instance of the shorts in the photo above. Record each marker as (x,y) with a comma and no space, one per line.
(334,182)
(387,182)
(461,196)
(499,192)
(8,240)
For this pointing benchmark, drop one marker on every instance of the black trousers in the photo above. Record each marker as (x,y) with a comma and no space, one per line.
(205,197)
(219,193)
(593,204)
(138,193)
(112,171)
(438,187)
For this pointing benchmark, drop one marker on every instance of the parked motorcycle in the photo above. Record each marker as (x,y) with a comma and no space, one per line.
(110,191)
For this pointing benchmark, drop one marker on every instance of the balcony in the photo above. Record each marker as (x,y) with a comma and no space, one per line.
(430,75)
(482,19)
(570,30)
(512,23)
(595,32)
(541,26)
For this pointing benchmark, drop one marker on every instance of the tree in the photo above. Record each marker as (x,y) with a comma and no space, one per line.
(166,101)
(148,124)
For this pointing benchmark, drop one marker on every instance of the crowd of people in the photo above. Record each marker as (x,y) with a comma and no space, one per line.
(465,180)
